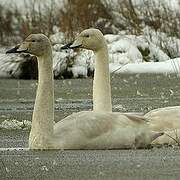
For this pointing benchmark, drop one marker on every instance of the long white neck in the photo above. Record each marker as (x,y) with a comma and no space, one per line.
(101,84)
(43,114)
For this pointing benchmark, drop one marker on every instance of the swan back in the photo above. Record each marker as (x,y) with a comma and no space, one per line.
(164,118)
(92,130)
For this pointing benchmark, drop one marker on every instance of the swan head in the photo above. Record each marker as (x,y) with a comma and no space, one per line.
(91,39)
(35,44)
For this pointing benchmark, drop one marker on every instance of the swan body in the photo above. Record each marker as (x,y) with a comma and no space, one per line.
(168,120)
(83,130)
(160,120)
(92,130)
(102,131)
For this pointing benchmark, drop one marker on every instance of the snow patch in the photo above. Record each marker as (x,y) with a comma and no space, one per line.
(125,53)
(15,124)
(171,66)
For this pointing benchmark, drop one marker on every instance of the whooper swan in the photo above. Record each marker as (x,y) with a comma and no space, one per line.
(83,130)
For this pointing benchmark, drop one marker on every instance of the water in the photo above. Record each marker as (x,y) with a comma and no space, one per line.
(131,93)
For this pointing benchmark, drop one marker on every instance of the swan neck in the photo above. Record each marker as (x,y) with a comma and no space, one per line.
(43,114)
(101,84)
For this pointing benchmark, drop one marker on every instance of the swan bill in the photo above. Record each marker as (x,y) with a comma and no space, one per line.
(70,46)
(74,47)
(67,46)
(16,50)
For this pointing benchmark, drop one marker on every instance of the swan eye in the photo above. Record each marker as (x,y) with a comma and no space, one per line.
(33,40)
(87,35)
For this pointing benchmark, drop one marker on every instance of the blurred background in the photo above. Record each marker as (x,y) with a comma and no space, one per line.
(136,31)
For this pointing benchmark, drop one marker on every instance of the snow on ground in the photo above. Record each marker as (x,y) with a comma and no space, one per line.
(171,66)
(36,4)
(15,124)
(10,65)
(127,54)
(172,4)
(123,49)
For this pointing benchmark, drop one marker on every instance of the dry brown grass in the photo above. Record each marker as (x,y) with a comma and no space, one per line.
(77,15)
(134,18)
(81,14)
(38,18)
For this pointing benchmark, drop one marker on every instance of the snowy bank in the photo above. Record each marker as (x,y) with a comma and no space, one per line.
(127,54)
(15,124)
(171,66)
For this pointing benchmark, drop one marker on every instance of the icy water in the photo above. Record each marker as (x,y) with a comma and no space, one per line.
(131,93)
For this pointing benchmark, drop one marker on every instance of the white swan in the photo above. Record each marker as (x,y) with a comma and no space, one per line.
(83,130)
(164,119)
(168,120)
(94,40)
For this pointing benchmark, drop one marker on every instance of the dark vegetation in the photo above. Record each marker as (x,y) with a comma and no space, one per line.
(75,15)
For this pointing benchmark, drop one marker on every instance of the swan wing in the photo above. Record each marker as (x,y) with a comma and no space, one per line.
(136,118)
(91,130)
(92,124)
(167,118)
